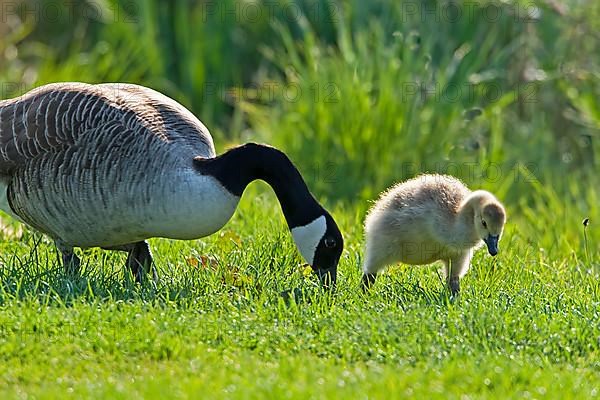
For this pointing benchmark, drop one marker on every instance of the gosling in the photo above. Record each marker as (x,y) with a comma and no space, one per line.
(431,218)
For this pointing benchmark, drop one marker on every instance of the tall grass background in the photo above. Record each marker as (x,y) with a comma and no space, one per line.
(505,95)
(360,94)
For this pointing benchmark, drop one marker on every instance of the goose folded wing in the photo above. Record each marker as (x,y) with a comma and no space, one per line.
(44,120)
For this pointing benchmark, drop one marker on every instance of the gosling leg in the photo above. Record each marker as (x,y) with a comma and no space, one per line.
(376,258)
(454,285)
(367,281)
(457,268)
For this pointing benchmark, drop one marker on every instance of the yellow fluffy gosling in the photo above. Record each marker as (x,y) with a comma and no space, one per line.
(431,218)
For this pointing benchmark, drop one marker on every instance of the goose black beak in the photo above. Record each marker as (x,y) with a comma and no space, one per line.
(492,244)
(327,276)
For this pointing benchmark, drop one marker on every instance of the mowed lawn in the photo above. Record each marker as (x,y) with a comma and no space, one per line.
(527,324)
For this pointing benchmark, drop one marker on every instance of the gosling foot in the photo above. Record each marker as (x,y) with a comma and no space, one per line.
(454,285)
(367,281)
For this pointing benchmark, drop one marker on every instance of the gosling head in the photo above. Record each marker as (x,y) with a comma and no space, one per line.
(320,243)
(489,220)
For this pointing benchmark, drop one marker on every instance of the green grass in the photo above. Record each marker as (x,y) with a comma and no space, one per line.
(525,325)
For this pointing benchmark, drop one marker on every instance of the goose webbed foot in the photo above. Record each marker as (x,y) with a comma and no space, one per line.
(139,261)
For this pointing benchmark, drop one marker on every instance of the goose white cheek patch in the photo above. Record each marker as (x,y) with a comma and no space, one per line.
(307,237)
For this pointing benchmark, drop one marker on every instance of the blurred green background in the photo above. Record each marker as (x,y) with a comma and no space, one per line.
(360,94)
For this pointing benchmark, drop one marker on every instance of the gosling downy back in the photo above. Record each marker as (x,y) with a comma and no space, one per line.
(431,218)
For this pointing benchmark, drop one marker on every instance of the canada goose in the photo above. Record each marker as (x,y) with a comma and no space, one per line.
(112,165)
(427,219)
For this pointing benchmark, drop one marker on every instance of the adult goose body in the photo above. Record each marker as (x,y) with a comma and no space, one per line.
(112,165)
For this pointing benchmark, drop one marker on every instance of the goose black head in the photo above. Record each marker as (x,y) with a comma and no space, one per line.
(320,242)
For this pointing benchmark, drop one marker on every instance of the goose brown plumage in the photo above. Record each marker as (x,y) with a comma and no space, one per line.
(112,165)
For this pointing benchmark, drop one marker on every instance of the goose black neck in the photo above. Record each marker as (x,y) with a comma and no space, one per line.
(238,167)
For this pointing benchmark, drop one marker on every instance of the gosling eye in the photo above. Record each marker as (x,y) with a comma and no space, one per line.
(484,224)
(330,242)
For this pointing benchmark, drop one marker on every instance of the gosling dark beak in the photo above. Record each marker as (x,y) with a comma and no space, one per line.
(327,276)
(492,244)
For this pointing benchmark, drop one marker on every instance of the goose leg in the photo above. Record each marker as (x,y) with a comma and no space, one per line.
(139,261)
(70,261)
